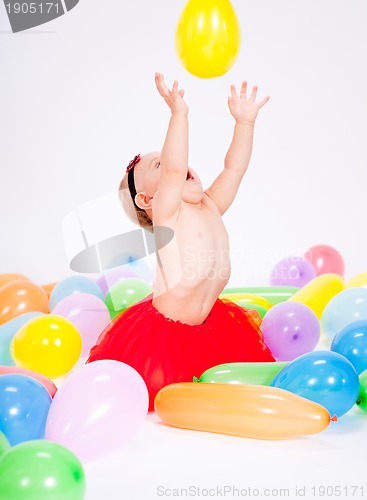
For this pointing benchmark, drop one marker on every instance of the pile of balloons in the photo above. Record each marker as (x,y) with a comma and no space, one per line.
(260,398)
(45,432)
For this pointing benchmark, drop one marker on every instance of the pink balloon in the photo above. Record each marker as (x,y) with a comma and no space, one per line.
(46,382)
(97,409)
(325,259)
(88,313)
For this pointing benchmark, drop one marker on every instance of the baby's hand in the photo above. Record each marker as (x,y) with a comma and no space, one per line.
(174,97)
(245,109)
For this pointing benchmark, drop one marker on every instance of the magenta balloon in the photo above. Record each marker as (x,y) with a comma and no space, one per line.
(112,276)
(290,329)
(292,271)
(98,409)
(325,259)
(89,315)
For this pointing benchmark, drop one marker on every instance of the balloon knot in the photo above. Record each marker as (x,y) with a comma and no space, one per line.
(334,418)
(195,379)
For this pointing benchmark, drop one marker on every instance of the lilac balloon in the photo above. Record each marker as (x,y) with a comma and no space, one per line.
(292,271)
(89,315)
(112,276)
(98,409)
(290,329)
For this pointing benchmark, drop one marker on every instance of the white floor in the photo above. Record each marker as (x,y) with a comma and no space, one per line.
(161,460)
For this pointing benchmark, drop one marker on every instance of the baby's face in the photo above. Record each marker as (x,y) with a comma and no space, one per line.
(147,173)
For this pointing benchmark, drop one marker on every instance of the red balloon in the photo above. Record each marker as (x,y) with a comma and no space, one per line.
(325,259)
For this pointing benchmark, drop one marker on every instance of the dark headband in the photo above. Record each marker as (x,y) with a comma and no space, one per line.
(130,177)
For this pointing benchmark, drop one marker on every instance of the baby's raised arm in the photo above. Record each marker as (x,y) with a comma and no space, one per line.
(174,155)
(244,110)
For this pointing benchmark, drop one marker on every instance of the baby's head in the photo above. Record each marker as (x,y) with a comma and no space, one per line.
(140,183)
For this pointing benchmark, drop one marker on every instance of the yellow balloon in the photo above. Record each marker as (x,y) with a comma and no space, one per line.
(48,344)
(242,299)
(359,280)
(208,37)
(318,292)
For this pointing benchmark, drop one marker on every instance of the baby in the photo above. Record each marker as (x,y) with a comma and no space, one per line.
(183,328)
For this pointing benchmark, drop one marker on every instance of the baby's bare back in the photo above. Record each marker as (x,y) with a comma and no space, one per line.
(194,267)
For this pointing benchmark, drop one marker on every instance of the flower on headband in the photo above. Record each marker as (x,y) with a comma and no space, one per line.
(133,163)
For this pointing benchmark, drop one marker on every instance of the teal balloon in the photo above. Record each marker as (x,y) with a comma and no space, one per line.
(71,285)
(7,332)
(324,377)
(41,470)
(348,306)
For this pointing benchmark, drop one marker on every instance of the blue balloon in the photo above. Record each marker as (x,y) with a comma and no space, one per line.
(74,284)
(24,406)
(325,377)
(351,342)
(346,307)
(7,332)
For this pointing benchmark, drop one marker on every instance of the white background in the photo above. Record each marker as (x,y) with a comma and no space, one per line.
(78,101)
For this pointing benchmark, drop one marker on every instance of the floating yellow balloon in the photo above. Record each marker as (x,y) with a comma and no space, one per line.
(254,411)
(208,37)
(359,280)
(47,344)
(318,292)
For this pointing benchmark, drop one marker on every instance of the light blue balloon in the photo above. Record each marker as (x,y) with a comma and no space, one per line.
(7,332)
(133,263)
(324,377)
(347,306)
(71,285)
(351,342)
(24,407)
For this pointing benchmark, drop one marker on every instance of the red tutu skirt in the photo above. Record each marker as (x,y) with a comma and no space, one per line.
(165,351)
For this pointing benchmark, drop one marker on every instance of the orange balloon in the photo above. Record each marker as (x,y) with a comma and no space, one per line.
(19,297)
(6,278)
(253,411)
(48,288)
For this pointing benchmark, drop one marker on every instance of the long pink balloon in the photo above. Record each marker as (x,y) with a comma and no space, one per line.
(46,382)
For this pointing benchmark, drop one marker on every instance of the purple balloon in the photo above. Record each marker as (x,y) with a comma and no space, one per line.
(98,409)
(290,329)
(292,271)
(89,315)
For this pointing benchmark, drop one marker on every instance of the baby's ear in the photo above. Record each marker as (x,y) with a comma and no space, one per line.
(143,200)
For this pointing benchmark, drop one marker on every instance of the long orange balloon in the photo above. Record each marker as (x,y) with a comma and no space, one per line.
(253,411)
(19,297)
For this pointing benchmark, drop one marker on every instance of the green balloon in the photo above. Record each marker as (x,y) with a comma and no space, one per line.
(362,397)
(125,293)
(261,373)
(260,309)
(41,470)
(4,444)
(273,294)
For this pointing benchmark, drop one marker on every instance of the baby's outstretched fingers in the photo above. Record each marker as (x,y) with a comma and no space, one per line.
(233,92)
(253,93)
(263,101)
(161,85)
(243,89)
